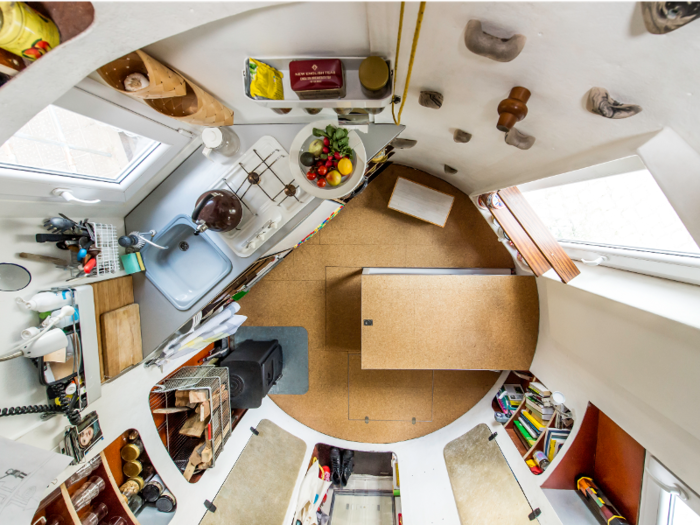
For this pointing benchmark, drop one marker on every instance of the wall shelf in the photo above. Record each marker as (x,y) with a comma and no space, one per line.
(354,97)
(615,461)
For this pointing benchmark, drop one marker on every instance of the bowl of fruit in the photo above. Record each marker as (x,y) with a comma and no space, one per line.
(329,160)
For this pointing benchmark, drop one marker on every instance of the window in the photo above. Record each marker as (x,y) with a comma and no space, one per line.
(627,210)
(94,142)
(61,142)
(616,215)
(666,500)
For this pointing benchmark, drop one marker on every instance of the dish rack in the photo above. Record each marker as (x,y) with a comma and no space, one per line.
(215,381)
(105,238)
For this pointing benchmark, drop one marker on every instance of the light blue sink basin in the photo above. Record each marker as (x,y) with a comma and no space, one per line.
(189,267)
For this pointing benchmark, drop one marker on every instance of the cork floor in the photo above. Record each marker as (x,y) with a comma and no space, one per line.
(318,287)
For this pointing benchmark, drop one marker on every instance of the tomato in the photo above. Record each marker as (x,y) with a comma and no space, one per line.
(321,183)
(322,170)
(337,155)
(311,174)
(326,142)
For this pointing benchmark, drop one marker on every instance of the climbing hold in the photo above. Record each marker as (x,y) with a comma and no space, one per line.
(513,109)
(519,139)
(450,170)
(462,136)
(489,46)
(430,99)
(403,143)
(663,17)
(601,103)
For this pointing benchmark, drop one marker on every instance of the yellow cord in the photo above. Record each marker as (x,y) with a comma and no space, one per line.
(416,35)
(396,62)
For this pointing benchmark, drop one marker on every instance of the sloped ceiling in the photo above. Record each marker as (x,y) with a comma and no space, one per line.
(570,48)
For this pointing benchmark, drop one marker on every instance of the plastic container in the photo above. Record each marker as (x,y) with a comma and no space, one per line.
(96,515)
(220,144)
(46,301)
(25,32)
(87,492)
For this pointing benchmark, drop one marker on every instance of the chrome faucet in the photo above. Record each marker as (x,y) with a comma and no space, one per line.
(137,240)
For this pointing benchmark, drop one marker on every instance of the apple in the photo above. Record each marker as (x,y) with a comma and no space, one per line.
(334,178)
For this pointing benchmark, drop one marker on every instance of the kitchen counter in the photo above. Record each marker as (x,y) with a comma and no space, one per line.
(177,194)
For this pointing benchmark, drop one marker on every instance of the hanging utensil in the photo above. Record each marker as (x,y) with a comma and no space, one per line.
(59,225)
(42,258)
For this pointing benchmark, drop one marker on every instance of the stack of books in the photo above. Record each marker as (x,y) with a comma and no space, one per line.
(539,402)
(509,398)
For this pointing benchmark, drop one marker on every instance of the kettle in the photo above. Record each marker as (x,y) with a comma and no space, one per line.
(218,211)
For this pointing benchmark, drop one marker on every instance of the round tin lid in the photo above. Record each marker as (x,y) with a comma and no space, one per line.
(130,452)
(374,73)
(132,469)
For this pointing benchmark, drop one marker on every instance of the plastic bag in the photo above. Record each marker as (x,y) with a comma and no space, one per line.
(265,82)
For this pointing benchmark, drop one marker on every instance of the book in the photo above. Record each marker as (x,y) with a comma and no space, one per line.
(527,426)
(515,394)
(554,440)
(541,410)
(524,433)
(539,388)
(537,424)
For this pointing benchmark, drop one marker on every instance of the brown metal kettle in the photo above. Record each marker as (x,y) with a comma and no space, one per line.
(218,211)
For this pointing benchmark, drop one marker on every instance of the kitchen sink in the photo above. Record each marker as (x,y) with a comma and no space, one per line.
(189,267)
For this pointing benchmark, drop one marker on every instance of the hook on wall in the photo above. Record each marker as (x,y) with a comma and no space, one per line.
(489,46)
(601,103)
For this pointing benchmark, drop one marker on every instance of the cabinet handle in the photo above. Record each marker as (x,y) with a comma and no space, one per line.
(69,197)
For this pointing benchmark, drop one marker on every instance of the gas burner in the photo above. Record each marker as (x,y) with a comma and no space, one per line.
(290,190)
(253,178)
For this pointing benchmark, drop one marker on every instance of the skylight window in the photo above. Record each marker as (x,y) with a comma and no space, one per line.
(60,142)
(623,211)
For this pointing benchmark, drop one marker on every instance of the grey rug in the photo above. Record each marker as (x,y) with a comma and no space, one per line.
(260,486)
(295,354)
(483,485)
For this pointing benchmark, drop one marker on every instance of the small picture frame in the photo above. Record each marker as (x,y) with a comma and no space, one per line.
(80,439)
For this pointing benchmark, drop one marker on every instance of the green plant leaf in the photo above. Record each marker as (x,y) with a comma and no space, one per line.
(330,130)
(319,133)
(324,156)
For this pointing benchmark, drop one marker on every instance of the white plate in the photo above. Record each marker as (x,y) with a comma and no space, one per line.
(309,186)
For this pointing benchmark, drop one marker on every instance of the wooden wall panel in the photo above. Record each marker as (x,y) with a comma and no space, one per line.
(619,467)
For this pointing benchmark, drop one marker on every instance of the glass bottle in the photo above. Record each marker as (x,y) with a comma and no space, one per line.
(84,471)
(87,492)
(96,515)
(220,144)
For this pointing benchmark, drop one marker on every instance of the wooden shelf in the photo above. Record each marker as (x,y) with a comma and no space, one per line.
(605,452)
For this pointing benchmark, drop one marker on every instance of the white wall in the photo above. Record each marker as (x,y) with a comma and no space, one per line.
(638,367)
(19,383)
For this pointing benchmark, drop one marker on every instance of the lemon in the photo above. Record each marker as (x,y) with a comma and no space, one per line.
(345,167)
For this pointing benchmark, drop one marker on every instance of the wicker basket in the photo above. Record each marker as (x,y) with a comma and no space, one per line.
(164,82)
(196,107)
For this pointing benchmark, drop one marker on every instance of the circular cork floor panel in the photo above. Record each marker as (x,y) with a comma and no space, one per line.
(318,287)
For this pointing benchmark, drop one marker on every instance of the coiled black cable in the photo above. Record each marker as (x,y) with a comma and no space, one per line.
(30,409)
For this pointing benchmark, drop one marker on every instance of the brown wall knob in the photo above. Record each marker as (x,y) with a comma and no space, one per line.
(513,109)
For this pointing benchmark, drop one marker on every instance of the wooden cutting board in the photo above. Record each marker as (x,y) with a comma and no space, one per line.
(121,339)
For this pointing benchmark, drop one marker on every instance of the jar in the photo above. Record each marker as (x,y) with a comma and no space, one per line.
(133,435)
(25,32)
(374,77)
(313,111)
(132,451)
(166,502)
(220,144)
(153,490)
(87,492)
(148,472)
(135,503)
(130,488)
(132,468)
(85,470)
(96,515)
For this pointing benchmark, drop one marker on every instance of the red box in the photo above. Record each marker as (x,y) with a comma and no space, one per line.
(318,79)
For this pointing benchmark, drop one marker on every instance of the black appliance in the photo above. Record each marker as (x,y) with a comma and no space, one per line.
(253,367)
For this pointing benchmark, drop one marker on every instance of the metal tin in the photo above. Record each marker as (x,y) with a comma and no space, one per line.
(318,79)
(374,77)
(139,481)
(129,488)
(132,468)
(25,32)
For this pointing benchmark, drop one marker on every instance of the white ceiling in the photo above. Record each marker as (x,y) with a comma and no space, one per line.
(570,48)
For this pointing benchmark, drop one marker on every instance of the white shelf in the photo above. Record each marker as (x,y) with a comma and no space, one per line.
(354,97)
(569,507)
